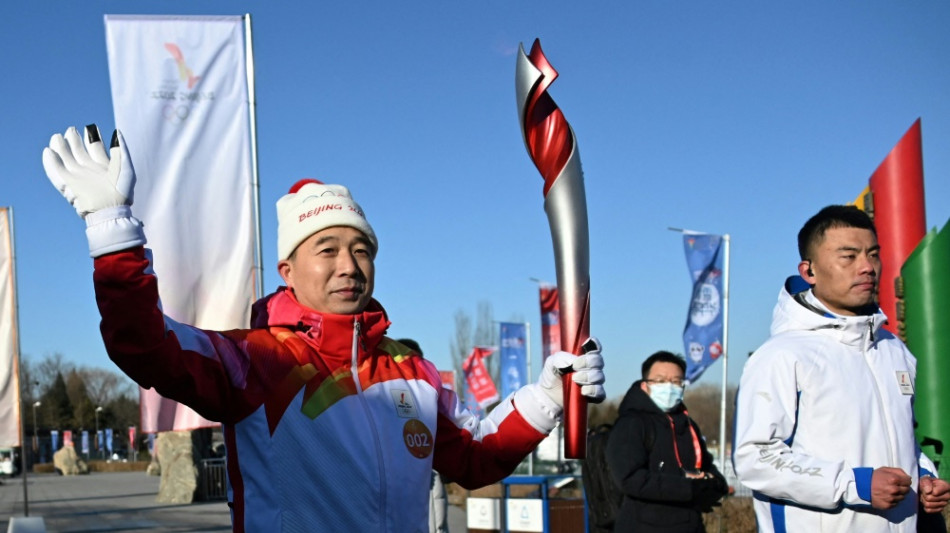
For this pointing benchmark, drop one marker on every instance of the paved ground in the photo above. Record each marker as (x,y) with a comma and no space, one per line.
(121,501)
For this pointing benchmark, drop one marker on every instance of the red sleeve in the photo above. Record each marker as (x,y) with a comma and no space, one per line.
(205,370)
(475,452)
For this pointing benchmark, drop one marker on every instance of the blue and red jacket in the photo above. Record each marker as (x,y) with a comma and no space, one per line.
(329,425)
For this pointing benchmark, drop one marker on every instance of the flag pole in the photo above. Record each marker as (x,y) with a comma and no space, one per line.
(527,340)
(725,352)
(560,425)
(255,179)
(16,359)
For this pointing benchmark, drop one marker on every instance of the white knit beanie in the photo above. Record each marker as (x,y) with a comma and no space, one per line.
(311,206)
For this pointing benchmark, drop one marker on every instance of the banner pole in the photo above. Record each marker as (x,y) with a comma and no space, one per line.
(527,341)
(725,353)
(8,212)
(255,180)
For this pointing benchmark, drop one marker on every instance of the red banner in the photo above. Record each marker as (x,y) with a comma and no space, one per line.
(897,190)
(448,379)
(479,381)
(550,321)
(131,439)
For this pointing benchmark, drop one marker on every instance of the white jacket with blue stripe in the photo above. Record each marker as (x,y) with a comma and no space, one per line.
(825,401)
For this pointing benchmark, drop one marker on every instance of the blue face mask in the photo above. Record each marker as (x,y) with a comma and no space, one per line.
(666,395)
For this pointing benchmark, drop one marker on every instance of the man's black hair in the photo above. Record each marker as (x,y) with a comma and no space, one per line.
(662,357)
(832,216)
(411,344)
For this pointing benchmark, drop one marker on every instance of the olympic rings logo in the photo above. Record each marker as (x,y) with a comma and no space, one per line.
(176,113)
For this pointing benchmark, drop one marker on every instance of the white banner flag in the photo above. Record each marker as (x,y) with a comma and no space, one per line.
(180,94)
(9,372)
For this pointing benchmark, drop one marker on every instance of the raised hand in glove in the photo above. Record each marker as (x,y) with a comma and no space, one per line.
(586,371)
(98,185)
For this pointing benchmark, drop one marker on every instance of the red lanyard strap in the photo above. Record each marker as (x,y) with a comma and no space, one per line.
(697,449)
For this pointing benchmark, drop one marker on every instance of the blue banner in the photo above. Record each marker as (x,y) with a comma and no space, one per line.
(109,441)
(702,337)
(99,440)
(85,442)
(514,358)
(54,439)
(151,444)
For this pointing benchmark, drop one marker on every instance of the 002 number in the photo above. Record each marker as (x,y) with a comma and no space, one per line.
(417,440)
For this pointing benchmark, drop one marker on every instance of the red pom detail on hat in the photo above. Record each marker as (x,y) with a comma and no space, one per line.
(296,186)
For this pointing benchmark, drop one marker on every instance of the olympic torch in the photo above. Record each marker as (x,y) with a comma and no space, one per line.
(551,145)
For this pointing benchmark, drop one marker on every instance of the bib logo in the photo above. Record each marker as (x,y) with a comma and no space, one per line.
(405,404)
(904,382)
(177,93)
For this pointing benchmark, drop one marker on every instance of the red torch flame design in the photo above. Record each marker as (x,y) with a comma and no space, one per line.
(550,142)
(546,131)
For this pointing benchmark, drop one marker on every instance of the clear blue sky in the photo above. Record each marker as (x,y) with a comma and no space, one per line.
(727,117)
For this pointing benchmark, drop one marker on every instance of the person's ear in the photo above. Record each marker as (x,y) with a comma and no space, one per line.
(285,269)
(806,272)
(645,387)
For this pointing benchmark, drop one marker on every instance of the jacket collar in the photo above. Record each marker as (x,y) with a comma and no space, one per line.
(328,333)
(797,311)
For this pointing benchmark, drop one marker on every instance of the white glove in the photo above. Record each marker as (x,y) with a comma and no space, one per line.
(586,371)
(99,186)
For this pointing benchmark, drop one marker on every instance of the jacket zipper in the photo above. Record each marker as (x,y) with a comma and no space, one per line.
(868,339)
(354,371)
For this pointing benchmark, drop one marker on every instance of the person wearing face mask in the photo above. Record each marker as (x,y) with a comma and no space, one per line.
(657,455)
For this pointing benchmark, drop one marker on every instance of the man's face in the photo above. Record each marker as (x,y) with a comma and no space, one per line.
(332,271)
(662,372)
(844,270)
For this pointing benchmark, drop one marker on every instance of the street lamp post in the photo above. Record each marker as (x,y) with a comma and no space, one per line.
(98,444)
(35,440)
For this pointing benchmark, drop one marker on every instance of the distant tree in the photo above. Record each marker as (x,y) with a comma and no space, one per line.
(122,412)
(460,346)
(704,402)
(486,330)
(602,413)
(83,408)
(57,410)
(49,368)
(465,339)
(28,383)
(69,395)
(104,386)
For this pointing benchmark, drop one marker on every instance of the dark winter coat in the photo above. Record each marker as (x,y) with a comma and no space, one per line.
(643,462)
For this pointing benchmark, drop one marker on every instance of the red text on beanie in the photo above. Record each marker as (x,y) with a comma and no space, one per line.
(311,206)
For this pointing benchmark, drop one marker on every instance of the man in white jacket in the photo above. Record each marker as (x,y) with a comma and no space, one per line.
(824,417)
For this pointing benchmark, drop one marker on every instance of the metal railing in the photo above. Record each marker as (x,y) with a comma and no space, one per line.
(212,480)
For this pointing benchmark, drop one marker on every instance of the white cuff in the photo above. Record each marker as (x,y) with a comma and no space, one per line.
(846,479)
(537,407)
(112,229)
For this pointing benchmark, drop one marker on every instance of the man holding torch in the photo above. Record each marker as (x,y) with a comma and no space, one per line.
(329,424)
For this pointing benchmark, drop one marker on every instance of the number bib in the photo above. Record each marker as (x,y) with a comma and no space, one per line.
(418,439)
